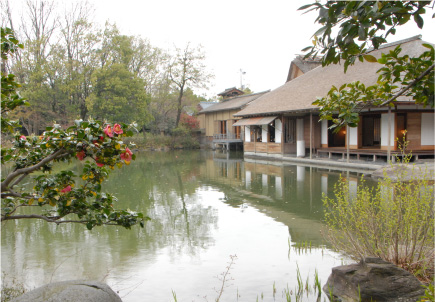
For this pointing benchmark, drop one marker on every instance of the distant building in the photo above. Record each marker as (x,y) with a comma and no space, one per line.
(301,65)
(217,120)
(230,92)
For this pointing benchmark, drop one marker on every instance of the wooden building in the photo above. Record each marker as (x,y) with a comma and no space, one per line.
(301,65)
(218,121)
(284,121)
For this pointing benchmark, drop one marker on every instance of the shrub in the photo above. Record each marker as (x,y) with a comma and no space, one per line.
(393,221)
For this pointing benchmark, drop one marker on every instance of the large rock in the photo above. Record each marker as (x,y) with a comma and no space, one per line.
(373,279)
(71,291)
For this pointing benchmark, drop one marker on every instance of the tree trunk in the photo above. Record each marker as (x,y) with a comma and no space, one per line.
(179,107)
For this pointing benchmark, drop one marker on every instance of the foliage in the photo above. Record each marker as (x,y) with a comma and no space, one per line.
(363,26)
(10,98)
(59,196)
(12,289)
(189,122)
(429,294)
(393,221)
(118,95)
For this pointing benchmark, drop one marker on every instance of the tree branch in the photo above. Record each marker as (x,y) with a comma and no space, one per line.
(27,170)
(54,219)
(402,91)
(48,219)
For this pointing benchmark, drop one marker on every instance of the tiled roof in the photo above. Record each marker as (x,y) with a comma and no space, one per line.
(237,102)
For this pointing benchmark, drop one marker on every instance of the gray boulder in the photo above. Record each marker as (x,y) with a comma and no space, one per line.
(373,279)
(71,291)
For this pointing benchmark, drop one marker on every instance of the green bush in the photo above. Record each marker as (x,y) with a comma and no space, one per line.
(180,138)
(393,221)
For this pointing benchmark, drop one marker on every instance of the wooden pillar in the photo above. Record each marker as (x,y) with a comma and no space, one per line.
(348,142)
(389,135)
(311,135)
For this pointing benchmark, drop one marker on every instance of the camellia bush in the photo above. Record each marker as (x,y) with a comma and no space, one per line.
(60,197)
(393,221)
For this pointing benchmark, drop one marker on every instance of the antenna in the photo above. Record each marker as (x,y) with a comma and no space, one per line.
(241,78)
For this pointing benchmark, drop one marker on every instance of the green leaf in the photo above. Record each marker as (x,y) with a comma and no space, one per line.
(419,20)
(370,58)
(320,30)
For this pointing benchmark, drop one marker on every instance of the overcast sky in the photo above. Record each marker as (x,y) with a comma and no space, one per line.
(259,37)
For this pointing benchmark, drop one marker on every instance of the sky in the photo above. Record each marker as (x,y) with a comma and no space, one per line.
(261,38)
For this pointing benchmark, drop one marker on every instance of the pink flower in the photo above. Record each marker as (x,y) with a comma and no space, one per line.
(108,131)
(81,155)
(98,162)
(117,129)
(23,137)
(66,189)
(126,156)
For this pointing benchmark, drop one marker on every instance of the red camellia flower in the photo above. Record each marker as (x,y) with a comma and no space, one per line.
(126,156)
(66,189)
(81,155)
(108,131)
(117,129)
(98,162)
(22,137)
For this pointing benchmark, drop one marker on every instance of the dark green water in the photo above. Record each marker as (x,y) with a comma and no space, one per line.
(204,207)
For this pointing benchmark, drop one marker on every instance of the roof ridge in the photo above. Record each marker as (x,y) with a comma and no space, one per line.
(416,37)
(244,95)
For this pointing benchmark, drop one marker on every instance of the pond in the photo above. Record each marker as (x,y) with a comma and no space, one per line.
(210,211)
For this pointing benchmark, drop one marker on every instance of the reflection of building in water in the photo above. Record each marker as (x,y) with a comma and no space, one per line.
(288,193)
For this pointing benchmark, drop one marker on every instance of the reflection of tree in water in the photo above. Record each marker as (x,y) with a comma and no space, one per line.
(162,185)
(166,185)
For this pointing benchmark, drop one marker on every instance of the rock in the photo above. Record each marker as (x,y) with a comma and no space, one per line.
(71,291)
(373,279)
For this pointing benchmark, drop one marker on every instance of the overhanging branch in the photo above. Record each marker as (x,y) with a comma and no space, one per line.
(5,184)
(402,91)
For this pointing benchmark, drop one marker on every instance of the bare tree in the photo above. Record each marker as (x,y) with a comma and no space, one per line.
(187,70)
(40,27)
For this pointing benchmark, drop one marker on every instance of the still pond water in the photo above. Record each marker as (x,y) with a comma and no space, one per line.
(205,207)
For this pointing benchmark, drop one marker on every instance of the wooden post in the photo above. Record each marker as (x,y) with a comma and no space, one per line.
(389,135)
(311,135)
(348,141)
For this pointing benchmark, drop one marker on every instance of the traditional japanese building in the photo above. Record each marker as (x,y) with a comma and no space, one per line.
(284,122)
(218,121)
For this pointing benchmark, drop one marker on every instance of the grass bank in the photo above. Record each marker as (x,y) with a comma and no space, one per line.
(155,142)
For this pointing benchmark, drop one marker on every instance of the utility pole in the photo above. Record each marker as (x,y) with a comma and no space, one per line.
(241,78)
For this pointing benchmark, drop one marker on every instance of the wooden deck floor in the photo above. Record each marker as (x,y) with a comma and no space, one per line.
(370,152)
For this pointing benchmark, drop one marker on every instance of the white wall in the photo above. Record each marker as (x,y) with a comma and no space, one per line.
(247,134)
(384,130)
(264,133)
(353,139)
(300,142)
(427,129)
(324,132)
(278,130)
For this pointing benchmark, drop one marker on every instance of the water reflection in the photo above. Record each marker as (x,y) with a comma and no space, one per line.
(204,206)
